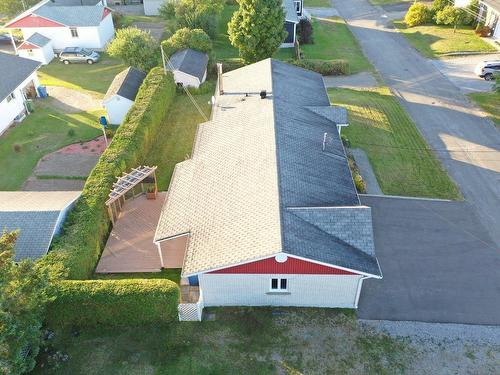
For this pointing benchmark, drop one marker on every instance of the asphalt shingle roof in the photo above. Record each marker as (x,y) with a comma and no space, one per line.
(13,71)
(268,176)
(36,216)
(126,84)
(76,16)
(38,40)
(190,62)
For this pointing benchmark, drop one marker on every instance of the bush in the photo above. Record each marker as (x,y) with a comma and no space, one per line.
(305,31)
(324,67)
(447,16)
(127,302)
(87,225)
(184,38)
(438,5)
(17,147)
(71,132)
(418,14)
(482,30)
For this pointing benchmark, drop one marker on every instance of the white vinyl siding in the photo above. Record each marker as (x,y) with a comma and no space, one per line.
(117,108)
(187,80)
(302,290)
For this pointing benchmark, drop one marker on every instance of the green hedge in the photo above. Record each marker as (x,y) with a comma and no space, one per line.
(130,302)
(87,226)
(324,67)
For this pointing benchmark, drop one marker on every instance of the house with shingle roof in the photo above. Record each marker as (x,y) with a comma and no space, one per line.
(265,212)
(67,23)
(189,67)
(38,215)
(18,82)
(37,47)
(121,94)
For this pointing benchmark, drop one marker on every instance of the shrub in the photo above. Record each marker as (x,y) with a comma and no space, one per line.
(438,5)
(183,38)
(418,14)
(324,67)
(17,147)
(71,132)
(87,225)
(482,30)
(447,16)
(127,302)
(305,31)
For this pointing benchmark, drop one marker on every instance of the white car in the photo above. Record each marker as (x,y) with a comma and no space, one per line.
(487,69)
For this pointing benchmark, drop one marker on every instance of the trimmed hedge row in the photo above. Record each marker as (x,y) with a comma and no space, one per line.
(87,226)
(131,302)
(324,67)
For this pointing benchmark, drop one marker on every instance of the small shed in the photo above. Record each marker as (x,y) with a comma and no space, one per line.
(37,47)
(121,94)
(38,215)
(189,67)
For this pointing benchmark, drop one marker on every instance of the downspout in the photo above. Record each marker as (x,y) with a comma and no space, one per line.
(358,291)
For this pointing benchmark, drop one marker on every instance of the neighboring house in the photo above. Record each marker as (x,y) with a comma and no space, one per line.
(152,7)
(18,82)
(121,94)
(189,67)
(293,13)
(488,13)
(266,212)
(38,215)
(37,47)
(67,24)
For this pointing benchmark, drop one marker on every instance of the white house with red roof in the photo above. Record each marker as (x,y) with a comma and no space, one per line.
(68,24)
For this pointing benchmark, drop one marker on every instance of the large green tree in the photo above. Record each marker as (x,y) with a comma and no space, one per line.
(257,28)
(195,39)
(12,8)
(136,48)
(25,289)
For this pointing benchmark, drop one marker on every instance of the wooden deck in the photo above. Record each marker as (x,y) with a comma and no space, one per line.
(130,246)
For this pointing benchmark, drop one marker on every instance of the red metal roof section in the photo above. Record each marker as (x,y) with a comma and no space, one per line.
(27,45)
(32,20)
(291,266)
(106,12)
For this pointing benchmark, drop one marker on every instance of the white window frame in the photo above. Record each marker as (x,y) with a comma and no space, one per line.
(10,97)
(299,10)
(278,289)
(74,32)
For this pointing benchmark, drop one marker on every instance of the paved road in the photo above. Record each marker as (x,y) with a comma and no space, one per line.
(438,262)
(467,144)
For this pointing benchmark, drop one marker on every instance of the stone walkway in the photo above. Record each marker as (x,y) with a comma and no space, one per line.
(353,81)
(366,170)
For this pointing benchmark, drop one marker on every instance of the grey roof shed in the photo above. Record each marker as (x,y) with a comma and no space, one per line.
(126,84)
(190,62)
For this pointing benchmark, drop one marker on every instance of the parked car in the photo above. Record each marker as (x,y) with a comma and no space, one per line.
(78,55)
(487,69)
(5,39)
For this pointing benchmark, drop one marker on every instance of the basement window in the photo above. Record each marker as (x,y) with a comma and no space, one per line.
(279,285)
(74,32)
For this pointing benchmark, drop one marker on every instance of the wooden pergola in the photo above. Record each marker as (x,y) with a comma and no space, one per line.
(127,183)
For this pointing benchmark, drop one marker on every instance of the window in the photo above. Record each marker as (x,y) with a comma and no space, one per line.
(279,285)
(10,97)
(298,7)
(74,32)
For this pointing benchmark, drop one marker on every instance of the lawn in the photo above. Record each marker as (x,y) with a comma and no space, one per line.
(238,341)
(489,102)
(94,78)
(42,132)
(177,135)
(223,49)
(401,160)
(332,40)
(317,3)
(435,41)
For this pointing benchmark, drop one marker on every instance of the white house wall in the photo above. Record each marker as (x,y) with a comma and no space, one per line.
(304,290)
(186,79)
(9,111)
(117,108)
(106,30)
(152,7)
(43,55)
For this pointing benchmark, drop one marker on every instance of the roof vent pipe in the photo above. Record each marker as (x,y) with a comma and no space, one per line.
(263,94)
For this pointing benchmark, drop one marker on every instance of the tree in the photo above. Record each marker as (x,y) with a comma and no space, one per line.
(193,14)
(136,48)
(195,39)
(25,290)
(12,8)
(418,14)
(256,28)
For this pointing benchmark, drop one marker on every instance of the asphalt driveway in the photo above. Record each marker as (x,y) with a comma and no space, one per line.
(467,143)
(438,263)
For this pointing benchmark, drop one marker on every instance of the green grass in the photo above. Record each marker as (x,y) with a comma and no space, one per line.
(42,132)
(435,41)
(333,40)
(94,78)
(128,19)
(401,160)
(222,46)
(239,341)
(489,102)
(317,3)
(173,274)
(177,138)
